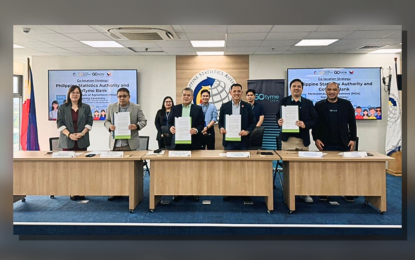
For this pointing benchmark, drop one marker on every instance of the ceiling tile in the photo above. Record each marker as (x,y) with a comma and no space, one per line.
(45,37)
(178,28)
(294,28)
(84,50)
(336,28)
(328,35)
(380,27)
(206,36)
(34,29)
(168,49)
(182,36)
(246,36)
(90,36)
(249,28)
(238,53)
(174,43)
(71,28)
(205,28)
(276,48)
(369,34)
(235,43)
(128,43)
(36,44)
(52,50)
(279,43)
(241,49)
(70,44)
(22,38)
(287,36)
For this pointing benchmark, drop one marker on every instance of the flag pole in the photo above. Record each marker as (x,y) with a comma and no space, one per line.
(396,68)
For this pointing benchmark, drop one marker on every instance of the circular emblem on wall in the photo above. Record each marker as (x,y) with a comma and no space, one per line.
(216,81)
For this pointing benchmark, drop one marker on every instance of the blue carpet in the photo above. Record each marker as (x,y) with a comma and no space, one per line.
(99,210)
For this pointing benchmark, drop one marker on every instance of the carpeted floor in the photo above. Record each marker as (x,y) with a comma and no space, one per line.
(99,210)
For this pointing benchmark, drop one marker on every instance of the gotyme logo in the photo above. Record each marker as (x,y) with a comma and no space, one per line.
(270,98)
(98,74)
(216,81)
(328,72)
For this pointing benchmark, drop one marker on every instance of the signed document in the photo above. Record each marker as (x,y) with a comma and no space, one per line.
(290,115)
(233,127)
(121,122)
(183,126)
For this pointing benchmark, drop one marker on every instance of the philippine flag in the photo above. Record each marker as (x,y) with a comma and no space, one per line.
(28,132)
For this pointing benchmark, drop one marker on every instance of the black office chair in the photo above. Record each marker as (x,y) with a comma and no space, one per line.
(279,166)
(53,146)
(144,141)
(256,138)
(356,145)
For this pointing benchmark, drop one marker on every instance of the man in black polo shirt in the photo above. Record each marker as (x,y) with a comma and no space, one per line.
(307,120)
(257,108)
(336,128)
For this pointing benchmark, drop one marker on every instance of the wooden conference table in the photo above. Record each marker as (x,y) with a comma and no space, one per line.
(37,173)
(206,173)
(336,176)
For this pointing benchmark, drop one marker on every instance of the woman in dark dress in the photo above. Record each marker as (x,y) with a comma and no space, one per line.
(161,120)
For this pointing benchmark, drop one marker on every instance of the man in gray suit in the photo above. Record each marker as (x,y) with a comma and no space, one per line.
(138,122)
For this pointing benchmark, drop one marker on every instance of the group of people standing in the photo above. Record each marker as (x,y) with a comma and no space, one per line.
(331,120)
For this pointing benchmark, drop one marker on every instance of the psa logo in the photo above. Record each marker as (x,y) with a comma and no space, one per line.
(351,71)
(108,74)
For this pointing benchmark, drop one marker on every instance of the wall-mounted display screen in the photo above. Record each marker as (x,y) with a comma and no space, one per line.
(99,88)
(361,86)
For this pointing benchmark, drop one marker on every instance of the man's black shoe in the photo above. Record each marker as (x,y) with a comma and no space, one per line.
(323,198)
(226,198)
(348,198)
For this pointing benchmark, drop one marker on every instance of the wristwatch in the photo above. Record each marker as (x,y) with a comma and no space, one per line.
(82,134)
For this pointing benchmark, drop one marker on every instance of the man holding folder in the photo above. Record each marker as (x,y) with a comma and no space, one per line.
(124,120)
(186,124)
(131,124)
(296,115)
(190,137)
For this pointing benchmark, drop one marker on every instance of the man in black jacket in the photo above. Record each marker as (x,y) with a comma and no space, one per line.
(336,129)
(307,120)
(187,109)
(237,107)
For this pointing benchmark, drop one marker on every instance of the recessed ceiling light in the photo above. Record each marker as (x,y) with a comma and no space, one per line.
(208,43)
(209,52)
(103,44)
(15,46)
(319,42)
(386,51)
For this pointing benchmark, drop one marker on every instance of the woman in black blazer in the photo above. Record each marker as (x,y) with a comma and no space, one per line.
(161,120)
(74,122)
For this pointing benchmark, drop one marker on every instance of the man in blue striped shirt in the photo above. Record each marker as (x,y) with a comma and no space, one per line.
(211,117)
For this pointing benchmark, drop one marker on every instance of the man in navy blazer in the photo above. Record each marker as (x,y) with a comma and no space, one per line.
(237,107)
(198,121)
